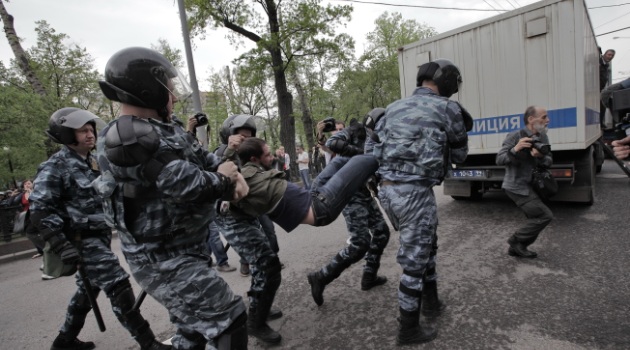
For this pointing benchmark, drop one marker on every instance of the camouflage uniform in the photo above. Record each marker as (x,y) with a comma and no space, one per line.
(420,136)
(362,215)
(247,238)
(163,226)
(65,206)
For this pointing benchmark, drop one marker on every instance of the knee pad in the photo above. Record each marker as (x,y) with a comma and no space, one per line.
(121,296)
(356,253)
(235,336)
(80,304)
(272,271)
(414,293)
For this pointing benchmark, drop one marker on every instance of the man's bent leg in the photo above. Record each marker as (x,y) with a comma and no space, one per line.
(330,198)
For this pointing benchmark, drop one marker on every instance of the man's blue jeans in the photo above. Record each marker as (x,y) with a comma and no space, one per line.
(215,245)
(306,178)
(337,183)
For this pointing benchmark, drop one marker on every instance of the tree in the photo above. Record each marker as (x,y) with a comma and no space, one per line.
(173,55)
(21,57)
(67,78)
(373,81)
(244,91)
(308,25)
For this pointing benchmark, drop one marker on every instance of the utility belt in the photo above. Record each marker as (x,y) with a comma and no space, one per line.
(163,254)
(160,238)
(78,235)
(388,183)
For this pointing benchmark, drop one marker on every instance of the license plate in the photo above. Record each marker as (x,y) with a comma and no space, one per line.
(469,173)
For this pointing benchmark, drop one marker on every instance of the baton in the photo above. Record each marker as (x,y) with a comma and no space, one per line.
(90,294)
(139,300)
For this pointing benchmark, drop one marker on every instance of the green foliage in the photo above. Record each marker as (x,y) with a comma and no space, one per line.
(373,81)
(68,75)
(172,54)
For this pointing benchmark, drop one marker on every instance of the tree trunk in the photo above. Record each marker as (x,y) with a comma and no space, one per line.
(307,118)
(285,99)
(20,55)
(285,110)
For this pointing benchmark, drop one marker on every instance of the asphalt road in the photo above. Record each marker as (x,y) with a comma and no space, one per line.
(574,296)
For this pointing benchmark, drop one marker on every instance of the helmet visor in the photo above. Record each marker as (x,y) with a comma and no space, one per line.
(76,119)
(178,86)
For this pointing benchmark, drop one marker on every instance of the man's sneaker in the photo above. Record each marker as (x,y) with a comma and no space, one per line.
(226,268)
(46,277)
(244,270)
(41,267)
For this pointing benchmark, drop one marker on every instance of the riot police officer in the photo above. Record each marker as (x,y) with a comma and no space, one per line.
(363,217)
(160,187)
(69,216)
(418,138)
(254,239)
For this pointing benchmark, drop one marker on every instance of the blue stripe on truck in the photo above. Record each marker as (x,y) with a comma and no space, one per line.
(559,118)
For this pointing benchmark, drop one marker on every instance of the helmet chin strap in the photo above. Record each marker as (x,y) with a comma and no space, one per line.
(163,113)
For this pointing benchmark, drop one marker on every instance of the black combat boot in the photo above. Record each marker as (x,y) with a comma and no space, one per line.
(69,342)
(410,331)
(318,280)
(122,299)
(432,306)
(519,249)
(257,326)
(370,278)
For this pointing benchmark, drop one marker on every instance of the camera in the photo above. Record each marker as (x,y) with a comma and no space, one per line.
(540,146)
(329,124)
(623,129)
(201,118)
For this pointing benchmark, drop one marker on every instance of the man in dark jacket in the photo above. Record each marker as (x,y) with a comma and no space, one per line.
(520,154)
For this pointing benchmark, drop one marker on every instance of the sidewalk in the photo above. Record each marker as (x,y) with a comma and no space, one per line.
(18,248)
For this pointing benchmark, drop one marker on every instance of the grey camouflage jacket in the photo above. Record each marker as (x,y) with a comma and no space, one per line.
(177,207)
(63,198)
(419,137)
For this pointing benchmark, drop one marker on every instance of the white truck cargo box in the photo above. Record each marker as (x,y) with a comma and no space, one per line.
(543,54)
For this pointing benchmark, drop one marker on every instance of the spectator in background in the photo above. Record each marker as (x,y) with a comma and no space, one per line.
(605,68)
(287,163)
(279,161)
(321,139)
(303,166)
(605,78)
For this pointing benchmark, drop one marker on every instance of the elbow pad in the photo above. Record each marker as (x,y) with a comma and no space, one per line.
(223,189)
(350,151)
(459,144)
(337,145)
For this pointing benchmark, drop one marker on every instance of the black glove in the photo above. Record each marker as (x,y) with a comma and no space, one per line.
(69,254)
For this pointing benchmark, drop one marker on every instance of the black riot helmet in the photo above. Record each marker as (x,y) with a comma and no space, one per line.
(370,121)
(139,76)
(64,122)
(234,122)
(444,74)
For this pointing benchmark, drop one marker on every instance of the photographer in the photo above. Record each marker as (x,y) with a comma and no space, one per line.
(522,152)
(621,147)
